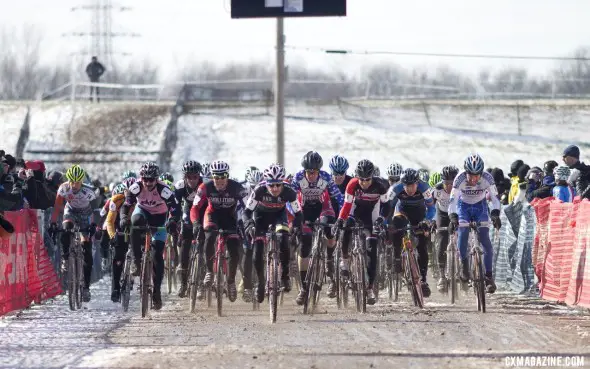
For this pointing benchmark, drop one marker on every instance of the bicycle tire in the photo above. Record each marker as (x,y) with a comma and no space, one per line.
(194,281)
(168,264)
(361,265)
(336,276)
(79,276)
(452,266)
(145,277)
(273,286)
(309,281)
(72,282)
(219,284)
(126,285)
(479,283)
(416,283)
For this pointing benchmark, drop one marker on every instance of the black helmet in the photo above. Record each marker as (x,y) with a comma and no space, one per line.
(192,167)
(449,172)
(149,170)
(312,160)
(365,169)
(549,166)
(410,176)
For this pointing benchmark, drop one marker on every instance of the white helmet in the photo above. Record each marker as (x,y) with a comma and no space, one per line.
(219,167)
(254,177)
(275,173)
(394,170)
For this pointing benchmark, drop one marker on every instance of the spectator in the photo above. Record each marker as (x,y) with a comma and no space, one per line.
(562,190)
(545,189)
(514,179)
(533,181)
(580,172)
(9,200)
(502,184)
(35,189)
(521,183)
(94,70)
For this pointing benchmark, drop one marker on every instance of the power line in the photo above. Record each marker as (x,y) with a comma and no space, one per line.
(445,55)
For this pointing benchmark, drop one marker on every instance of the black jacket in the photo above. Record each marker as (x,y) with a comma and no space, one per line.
(94,70)
(582,182)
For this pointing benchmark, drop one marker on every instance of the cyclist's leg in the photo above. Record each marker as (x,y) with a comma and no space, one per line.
(370,245)
(66,237)
(442,240)
(186,231)
(310,214)
(210,225)
(119,259)
(83,220)
(465,215)
(346,237)
(159,242)
(263,220)
(399,221)
(282,228)
(138,219)
(486,243)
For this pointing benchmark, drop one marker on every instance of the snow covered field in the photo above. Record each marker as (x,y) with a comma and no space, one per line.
(12,117)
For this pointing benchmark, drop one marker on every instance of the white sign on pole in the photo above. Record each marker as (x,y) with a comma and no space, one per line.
(273,3)
(293,6)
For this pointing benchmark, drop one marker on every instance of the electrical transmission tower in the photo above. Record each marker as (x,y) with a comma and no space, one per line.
(100,31)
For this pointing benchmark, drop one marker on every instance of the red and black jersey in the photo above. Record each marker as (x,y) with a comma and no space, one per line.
(373,199)
(263,201)
(216,200)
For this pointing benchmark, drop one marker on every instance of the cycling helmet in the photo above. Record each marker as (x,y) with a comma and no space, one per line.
(424,175)
(166,177)
(410,176)
(128,174)
(249,171)
(338,164)
(253,177)
(75,174)
(435,178)
(394,170)
(312,160)
(206,170)
(168,183)
(119,189)
(289,177)
(275,173)
(365,169)
(219,167)
(549,167)
(128,182)
(149,170)
(473,164)
(377,171)
(191,167)
(562,173)
(449,173)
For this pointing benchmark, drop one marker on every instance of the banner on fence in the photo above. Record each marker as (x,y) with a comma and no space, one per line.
(26,272)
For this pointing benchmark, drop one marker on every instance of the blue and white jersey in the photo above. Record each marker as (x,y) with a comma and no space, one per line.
(420,200)
(463,192)
(311,193)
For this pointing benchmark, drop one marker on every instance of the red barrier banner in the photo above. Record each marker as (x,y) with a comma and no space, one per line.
(541,243)
(579,285)
(26,273)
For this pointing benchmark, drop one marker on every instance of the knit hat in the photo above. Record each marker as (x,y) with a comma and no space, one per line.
(573,151)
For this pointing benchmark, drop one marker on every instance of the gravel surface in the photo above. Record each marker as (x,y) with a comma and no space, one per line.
(389,335)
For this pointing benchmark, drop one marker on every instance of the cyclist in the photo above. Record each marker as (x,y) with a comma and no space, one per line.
(154,201)
(442,197)
(128,174)
(266,206)
(435,179)
(206,171)
(166,177)
(468,203)
(338,166)
(414,205)
(424,175)
(76,198)
(117,240)
(312,185)
(185,192)
(222,196)
(365,199)
(253,178)
(394,172)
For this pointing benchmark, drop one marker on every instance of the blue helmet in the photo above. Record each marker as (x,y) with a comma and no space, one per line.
(473,164)
(338,164)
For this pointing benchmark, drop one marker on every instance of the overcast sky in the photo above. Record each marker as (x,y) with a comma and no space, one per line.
(174,31)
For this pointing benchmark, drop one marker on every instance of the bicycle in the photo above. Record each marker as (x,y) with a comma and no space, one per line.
(220,269)
(477,267)
(272,270)
(196,273)
(341,286)
(410,270)
(170,263)
(126,277)
(387,274)
(75,271)
(316,269)
(452,267)
(359,267)
(146,284)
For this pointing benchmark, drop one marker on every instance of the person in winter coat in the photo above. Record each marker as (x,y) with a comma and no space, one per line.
(94,70)
(9,200)
(35,189)
(502,185)
(580,172)
(545,188)
(562,190)
(514,180)
(521,183)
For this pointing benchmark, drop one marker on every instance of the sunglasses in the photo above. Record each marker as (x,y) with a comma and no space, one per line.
(336,174)
(448,182)
(365,179)
(148,180)
(394,179)
(192,177)
(311,171)
(274,185)
(220,176)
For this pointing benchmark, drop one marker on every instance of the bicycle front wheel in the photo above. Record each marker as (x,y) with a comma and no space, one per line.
(273,283)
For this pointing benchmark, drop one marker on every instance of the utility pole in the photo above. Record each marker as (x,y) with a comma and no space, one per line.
(279,91)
